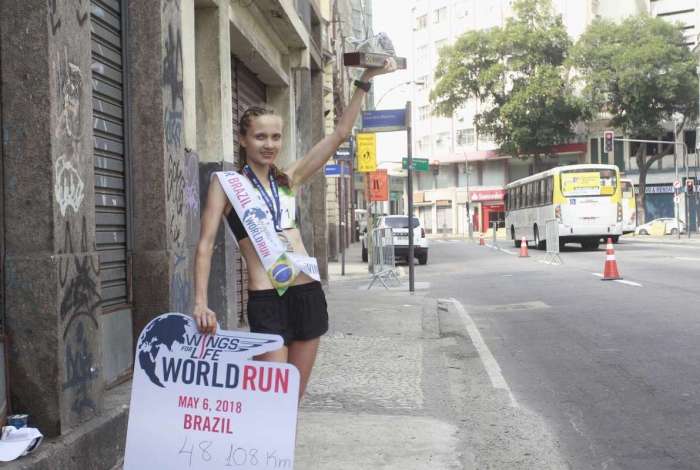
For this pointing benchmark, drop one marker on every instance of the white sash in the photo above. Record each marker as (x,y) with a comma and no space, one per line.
(282,267)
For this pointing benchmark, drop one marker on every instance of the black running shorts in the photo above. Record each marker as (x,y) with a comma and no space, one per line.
(300,314)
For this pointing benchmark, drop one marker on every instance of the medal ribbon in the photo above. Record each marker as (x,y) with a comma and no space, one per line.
(272,203)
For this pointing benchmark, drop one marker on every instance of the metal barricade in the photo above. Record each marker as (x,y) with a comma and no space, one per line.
(552,231)
(383,259)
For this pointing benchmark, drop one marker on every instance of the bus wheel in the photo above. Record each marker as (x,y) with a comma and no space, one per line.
(615,239)
(539,244)
(590,244)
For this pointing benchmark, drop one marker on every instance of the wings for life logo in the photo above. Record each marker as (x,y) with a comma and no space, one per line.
(171,350)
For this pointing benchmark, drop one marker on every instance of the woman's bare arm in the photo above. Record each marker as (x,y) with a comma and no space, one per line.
(301,170)
(216,203)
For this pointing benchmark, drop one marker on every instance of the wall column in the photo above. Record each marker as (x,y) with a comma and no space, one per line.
(51,267)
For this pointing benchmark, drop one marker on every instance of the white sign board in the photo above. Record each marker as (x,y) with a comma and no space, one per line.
(677,199)
(199,402)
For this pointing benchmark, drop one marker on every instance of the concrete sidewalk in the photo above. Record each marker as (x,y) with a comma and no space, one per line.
(365,406)
(398,384)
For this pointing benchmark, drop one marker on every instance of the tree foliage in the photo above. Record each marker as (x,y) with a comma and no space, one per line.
(638,71)
(640,74)
(519,72)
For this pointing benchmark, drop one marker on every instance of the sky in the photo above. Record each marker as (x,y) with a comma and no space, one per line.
(394,18)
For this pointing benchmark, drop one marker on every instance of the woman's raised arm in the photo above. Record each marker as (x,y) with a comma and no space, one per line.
(301,170)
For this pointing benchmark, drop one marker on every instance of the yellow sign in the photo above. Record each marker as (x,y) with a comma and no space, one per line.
(366,152)
(586,184)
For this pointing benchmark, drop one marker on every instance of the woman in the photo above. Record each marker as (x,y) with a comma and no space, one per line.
(299,315)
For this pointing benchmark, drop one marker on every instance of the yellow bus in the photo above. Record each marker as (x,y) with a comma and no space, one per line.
(585,200)
(629,207)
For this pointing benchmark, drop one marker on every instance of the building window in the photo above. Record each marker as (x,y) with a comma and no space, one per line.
(423,112)
(440,44)
(461,10)
(465,137)
(442,140)
(484,137)
(422,55)
(440,15)
(421,22)
(423,145)
(424,80)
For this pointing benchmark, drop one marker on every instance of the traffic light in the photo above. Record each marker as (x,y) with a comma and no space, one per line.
(609,136)
(689,185)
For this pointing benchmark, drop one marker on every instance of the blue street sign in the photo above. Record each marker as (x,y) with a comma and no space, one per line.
(384,120)
(333,170)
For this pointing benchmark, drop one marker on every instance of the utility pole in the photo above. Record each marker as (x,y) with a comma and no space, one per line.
(409,184)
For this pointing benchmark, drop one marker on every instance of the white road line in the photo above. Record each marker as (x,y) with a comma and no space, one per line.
(622,281)
(686,258)
(490,363)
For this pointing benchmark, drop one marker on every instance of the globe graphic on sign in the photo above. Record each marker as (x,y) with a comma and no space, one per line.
(163,331)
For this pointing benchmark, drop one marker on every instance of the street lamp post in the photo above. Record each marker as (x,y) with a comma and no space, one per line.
(419,82)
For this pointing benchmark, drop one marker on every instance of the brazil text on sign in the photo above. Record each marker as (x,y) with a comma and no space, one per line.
(366,152)
(384,120)
(197,401)
(419,164)
(334,170)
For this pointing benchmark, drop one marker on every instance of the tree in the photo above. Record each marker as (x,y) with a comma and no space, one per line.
(640,74)
(518,71)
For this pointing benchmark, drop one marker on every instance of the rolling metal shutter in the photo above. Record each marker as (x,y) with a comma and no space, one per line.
(247,91)
(111,169)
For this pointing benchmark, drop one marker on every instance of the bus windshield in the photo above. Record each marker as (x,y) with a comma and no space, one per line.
(586,183)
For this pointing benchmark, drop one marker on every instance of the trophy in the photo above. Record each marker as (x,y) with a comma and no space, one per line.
(372,52)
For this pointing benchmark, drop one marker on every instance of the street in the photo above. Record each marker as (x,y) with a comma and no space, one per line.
(613,368)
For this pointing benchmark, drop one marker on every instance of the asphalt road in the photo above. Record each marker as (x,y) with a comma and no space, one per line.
(613,368)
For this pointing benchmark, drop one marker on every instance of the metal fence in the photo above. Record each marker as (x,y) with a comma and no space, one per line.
(383,261)
(552,231)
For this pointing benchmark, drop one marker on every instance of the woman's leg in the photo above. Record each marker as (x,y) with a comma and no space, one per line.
(303,354)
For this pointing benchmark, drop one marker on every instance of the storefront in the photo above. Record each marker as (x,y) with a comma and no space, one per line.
(488,207)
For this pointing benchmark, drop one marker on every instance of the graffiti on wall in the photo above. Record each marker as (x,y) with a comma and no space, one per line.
(78,274)
(69,186)
(80,7)
(175,194)
(181,285)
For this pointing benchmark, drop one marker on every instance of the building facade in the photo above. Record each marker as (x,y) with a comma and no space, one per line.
(111,132)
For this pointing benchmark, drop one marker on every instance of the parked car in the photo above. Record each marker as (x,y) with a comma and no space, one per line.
(670,227)
(399,226)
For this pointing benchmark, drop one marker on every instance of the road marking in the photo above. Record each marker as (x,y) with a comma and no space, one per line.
(686,258)
(621,281)
(490,363)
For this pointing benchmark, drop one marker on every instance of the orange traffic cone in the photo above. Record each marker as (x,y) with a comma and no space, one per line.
(523,248)
(610,272)
(481,239)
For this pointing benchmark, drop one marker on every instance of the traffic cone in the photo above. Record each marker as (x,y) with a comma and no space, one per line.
(481,239)
(610,272)
(523,248)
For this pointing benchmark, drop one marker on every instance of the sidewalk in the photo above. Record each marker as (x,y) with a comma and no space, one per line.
(399,385)
(366,406)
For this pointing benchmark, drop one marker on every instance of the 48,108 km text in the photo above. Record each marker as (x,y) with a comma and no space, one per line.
(220,454)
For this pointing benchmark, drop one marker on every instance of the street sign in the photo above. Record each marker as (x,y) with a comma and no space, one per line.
(677,199)
(343,154)
(419,164)
(366,152)
(384,120)
(334,170)
(677,184)
(378,182)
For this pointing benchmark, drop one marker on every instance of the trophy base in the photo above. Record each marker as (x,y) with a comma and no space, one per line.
(368,60)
